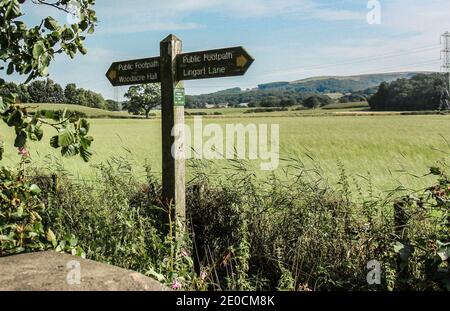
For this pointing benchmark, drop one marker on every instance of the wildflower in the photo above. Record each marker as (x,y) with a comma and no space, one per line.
(24,152)
(176,285)
(184,253)
(203,276)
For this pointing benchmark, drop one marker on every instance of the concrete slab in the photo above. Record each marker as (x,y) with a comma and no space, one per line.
(51,271)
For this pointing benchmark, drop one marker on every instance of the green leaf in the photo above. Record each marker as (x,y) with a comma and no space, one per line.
(69,151)
(20,211)
(435,171)
(51,238)
(82,50)
(68,34)
(66,137)
(38,49)
(3,105)
(84,124)
(21,139)
(51,24)
(10,69)
(85,154)
(15,119)
(4,54)
(72,240)
(158,276)
(444,251)
(2,150)
(39,133)
(13,10)
(34,189)
(54,142)
(404,251)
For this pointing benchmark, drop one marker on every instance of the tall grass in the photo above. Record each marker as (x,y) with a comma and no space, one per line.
(291,233)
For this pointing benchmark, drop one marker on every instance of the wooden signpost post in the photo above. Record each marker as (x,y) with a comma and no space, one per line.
(170,69)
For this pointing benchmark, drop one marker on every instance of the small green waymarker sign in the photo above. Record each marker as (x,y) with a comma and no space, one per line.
(179,98)
(169,69)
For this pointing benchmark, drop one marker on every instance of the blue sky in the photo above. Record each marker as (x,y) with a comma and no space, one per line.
(290,39)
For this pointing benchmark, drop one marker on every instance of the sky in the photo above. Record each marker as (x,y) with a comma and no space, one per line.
(289,39)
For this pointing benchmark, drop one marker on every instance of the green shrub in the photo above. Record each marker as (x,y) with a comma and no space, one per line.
(21,228)
(295,233)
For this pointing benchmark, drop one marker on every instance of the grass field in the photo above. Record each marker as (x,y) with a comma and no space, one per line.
(379,146)
(90,112)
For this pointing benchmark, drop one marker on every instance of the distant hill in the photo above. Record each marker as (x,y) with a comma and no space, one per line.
(283,93)
(341,84)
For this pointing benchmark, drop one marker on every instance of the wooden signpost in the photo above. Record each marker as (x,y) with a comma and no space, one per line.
(170,69)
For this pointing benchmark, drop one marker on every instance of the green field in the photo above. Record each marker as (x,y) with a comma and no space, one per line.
(379,146)
(90,112)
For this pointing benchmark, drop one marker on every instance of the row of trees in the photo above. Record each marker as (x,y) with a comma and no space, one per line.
(421,92)
(47,91)
(254,98)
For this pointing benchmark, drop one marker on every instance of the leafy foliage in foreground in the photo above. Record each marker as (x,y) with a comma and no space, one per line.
(21,228)
(297,233)
(29,51)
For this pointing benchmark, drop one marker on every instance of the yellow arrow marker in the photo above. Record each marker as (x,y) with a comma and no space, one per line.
(113,75)
(241,61)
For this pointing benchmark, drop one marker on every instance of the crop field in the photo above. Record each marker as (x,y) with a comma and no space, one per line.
(388,149)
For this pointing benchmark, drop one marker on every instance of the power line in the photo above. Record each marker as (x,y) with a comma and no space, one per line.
(375,57)
(367,59)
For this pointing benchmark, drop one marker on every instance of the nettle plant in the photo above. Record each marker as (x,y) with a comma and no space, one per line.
(29,51)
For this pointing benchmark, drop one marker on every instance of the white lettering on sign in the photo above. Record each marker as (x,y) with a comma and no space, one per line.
(132,79)
(207,57)
(152,76)
(147,65)
(205,71)
(139,65)
(216,70)
(218,56)
(125,67)
(194,72)
(192,59)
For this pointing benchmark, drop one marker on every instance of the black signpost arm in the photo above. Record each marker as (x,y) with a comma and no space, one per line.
(173,169)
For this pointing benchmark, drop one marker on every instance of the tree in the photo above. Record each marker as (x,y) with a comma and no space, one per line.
(55,93)
(288,102)
(421,92)
(143,98)
(20,90)
(38,92)
(312,102)
(317,101)
(112,105)
(46,92)
(70,92)
(94,100)
(29,51)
